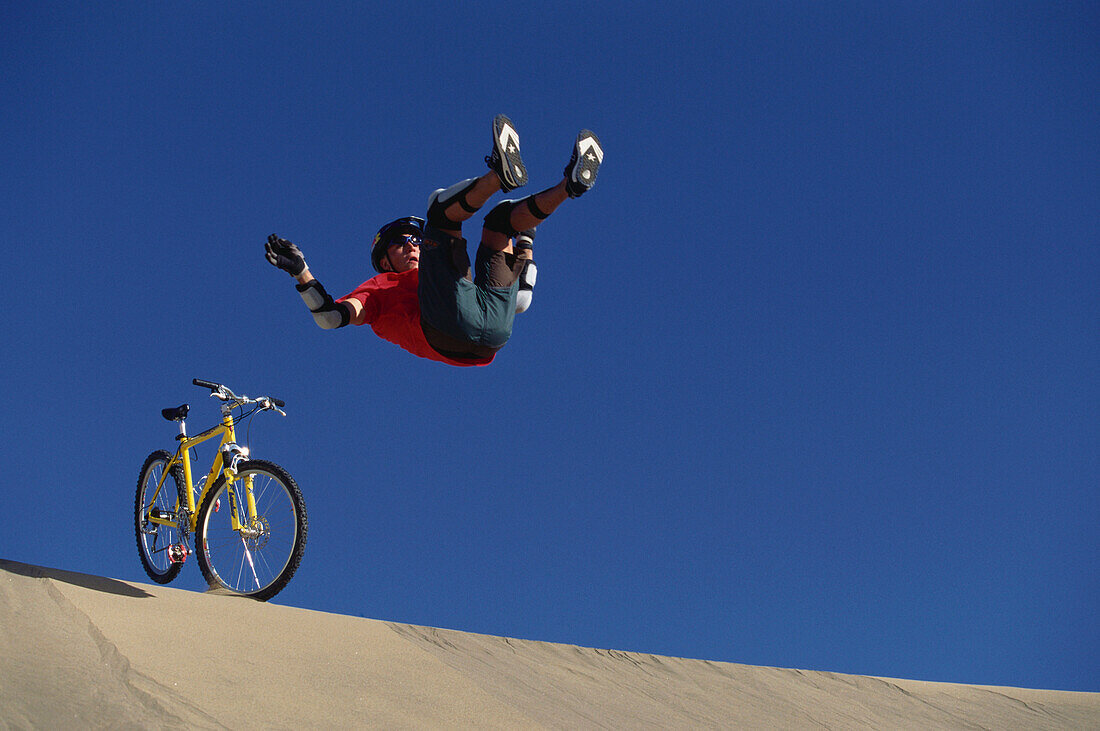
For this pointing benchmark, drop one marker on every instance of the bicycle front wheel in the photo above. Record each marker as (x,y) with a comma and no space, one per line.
(252,554)
(155,540)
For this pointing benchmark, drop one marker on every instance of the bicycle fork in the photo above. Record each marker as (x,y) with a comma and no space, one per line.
(249,532)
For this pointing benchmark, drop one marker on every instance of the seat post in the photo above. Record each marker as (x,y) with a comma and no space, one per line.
(183,429)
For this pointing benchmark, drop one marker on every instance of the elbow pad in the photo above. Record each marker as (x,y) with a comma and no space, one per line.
(326,312)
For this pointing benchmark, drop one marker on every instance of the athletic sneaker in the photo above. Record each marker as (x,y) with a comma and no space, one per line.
(505,160)
(580,173)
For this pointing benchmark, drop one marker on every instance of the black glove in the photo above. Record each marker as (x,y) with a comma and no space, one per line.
(285,255)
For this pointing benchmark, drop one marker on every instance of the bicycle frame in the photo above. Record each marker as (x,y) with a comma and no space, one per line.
(183,457)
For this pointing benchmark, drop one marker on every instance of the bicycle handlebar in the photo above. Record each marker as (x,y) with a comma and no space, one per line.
(224,393)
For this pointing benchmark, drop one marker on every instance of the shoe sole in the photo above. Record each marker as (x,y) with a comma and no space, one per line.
(506,144)
(589,155)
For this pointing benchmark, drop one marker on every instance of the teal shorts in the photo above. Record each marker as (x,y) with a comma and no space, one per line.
(461,315)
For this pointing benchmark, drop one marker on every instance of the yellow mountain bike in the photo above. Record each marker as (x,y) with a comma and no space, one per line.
(247,515)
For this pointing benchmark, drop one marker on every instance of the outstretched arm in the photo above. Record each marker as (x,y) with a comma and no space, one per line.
(327,313)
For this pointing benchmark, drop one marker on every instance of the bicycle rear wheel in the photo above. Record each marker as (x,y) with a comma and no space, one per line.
(154,539)
(259,558)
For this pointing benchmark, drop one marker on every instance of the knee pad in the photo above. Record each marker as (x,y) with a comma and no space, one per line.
(500,218)
(442,199)
(525,239)
(526,287)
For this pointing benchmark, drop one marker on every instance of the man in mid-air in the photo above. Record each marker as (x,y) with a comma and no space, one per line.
(424,297)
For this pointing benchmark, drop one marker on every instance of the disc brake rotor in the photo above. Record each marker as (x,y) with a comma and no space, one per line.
(258,533)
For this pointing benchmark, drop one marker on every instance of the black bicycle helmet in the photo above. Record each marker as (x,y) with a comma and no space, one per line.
(389,233)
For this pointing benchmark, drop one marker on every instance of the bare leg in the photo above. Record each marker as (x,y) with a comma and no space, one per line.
(521,219)
(547,202)
(476,197)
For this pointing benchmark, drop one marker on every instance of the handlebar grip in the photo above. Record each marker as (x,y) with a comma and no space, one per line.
(278,402)
(205,384)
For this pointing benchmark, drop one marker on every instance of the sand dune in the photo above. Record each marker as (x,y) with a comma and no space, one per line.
(80,651)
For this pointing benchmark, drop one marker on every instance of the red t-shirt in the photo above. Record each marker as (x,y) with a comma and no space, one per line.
(392,309)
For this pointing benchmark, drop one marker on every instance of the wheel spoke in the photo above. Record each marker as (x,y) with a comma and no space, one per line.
(251,564)
(155,539)
(261,557)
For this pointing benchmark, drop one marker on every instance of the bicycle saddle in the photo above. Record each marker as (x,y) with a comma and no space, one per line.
(177,414)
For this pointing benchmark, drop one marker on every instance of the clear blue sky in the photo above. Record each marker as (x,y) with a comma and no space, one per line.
(811,378)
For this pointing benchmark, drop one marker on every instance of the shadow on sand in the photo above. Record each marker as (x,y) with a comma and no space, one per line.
(96,583)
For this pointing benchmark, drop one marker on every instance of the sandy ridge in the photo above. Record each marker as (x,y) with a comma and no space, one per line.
(80,651)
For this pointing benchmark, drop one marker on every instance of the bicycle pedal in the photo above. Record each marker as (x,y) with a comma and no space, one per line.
(177,553)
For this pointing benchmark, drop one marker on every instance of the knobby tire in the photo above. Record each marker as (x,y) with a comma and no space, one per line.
(258,566)
(153,547)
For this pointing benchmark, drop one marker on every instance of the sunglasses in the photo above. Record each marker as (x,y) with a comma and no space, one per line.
(404,239)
